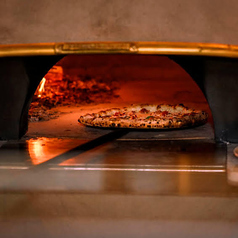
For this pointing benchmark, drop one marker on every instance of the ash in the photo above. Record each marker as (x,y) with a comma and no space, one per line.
(70,91)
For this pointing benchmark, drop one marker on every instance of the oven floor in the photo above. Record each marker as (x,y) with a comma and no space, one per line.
(67,126)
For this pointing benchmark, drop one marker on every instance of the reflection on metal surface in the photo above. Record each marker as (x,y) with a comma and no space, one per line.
(142,156)
(43,149)
(14,167)
(82,148)
(232,165)
(95,47)
(163,139)
(27,49)
(141,170)
(185,168)
(160,48)
(175,155)
(184,178)
(235,151)
(149,166)
(38,152)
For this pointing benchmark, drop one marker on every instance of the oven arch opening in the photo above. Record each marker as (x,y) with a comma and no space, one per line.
(136,79)
(23,66)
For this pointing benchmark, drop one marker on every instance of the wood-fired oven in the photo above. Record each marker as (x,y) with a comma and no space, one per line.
(58,177)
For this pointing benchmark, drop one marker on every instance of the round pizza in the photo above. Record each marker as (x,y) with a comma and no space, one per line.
(146,116)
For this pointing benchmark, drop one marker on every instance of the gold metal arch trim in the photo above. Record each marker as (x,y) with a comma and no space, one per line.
(159,48)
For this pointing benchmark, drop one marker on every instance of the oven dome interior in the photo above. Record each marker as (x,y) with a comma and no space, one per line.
(96,82)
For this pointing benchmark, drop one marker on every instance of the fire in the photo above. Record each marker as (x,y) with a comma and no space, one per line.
(41,87)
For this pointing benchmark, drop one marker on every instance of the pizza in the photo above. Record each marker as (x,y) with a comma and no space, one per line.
(146,116)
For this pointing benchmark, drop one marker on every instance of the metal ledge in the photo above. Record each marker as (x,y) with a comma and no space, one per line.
(159,48)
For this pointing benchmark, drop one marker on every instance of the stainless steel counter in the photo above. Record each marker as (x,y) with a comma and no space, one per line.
(137,185)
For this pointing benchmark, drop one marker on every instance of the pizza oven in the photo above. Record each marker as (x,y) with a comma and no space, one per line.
(206,64)
(46,87)
(61,177)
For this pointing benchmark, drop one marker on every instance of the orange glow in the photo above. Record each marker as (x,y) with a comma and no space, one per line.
(41,87)
(38,152)
(43,149)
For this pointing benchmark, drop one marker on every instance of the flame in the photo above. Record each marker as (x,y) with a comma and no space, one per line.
(41,87)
